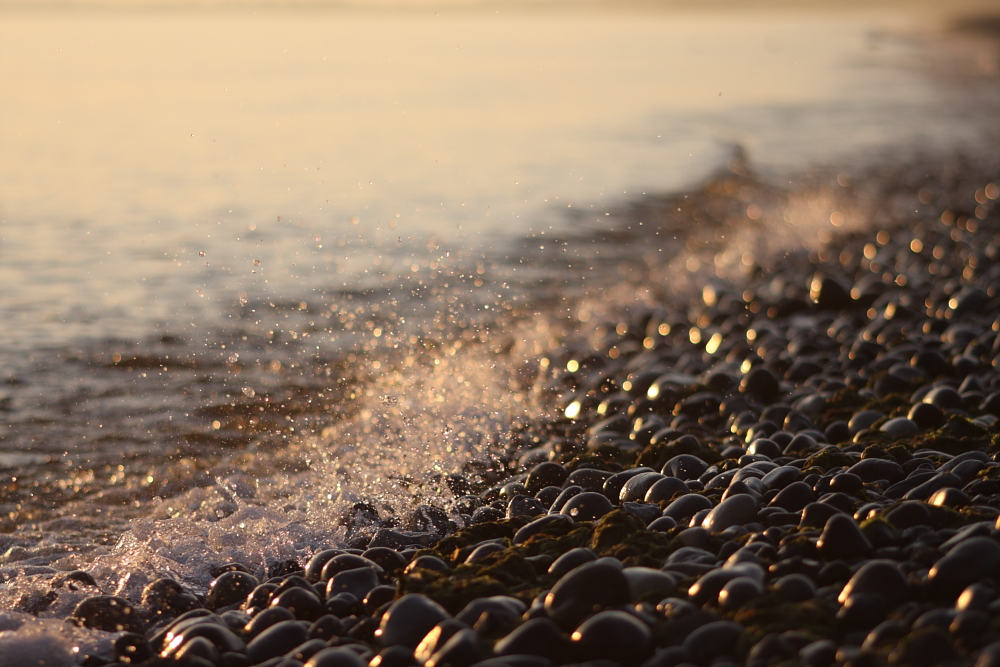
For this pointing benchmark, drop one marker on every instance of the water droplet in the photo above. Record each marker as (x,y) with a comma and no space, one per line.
(249,392)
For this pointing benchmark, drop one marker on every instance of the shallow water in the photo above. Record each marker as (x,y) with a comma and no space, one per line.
(260,267)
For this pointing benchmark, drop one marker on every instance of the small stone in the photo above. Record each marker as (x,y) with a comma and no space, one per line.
(266,618)
(685,467)
(975,597)
(612,635)
(408,620)
(584,589)
(945,398)
(636,487)
(109,613)
(927,488)
(781,477)
(426,563)
(304,604)
(521,505)
(539,636)
(277,640)
(343,562)
(795,588)
(358,582)
(877,577)
(663,525)
(664,489)
(815,515)
(315,565)
(545,474)
(336,657)
(965,564)
(908,514)
(925,415)
(734,511)
(863,420)
(842,539)
(687,506)
(166,597)
(571,560)
(539,526)
(645,581)
(462,650)
(900,427)
(394,656)
(924,648)
(713,640)
(587,506)
(438,636)
(738,592)
(793,497)
(872,470)
(821,653)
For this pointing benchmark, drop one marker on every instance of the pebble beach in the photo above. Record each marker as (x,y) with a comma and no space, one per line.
(692,381)
(796,465)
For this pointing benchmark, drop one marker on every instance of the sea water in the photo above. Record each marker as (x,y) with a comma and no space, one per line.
(261,264)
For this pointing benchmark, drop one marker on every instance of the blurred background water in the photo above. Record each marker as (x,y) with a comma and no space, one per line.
(156,164)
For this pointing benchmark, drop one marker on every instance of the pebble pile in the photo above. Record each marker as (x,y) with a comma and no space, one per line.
(800,468)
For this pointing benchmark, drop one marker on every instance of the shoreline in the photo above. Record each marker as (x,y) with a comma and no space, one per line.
(828,390)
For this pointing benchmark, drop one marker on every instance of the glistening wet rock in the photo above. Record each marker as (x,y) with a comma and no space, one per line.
(734,511)
(965,564)
(612,635)
(579,593)
(408,620)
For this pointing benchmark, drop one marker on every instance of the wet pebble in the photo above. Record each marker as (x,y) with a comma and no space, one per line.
(612,635)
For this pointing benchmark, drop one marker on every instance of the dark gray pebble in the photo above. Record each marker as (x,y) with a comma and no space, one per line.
(587,506)
(665,488)
(276,641)
(357,581)
(687,506)
(734,511)
(462,650)
(539,636)
(965,564)
(842,539)
(612,635)
(335,657)
(586,588)
(109,613)
(871,470)
(684,467)
(570,560)
(877,577)
(408,620)
(713,640)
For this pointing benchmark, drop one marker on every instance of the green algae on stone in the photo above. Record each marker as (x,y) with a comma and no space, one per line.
(624,536)
(503,573)
(655,456)
(449,547)
(957,436)
(450,591)
(827,459)
(875,452)
(768,614)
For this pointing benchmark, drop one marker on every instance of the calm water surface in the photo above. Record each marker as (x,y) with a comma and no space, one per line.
(148,158)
